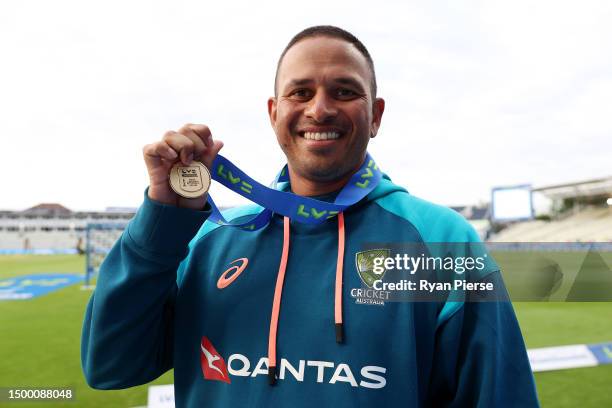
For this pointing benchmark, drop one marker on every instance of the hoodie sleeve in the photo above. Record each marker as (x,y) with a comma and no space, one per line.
(480,358)
(127,336)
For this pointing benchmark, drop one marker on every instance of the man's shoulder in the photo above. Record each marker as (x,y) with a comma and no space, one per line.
(434,222)
(233,214)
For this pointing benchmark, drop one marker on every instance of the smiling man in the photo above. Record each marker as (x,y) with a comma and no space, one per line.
(284,313)
(324,111)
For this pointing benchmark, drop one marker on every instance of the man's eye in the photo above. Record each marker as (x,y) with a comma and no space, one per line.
(343,92)
(301,93)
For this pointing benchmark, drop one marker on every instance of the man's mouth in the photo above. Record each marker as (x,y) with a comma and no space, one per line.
(320,135)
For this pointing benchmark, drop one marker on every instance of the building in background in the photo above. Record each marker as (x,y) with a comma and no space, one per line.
(574,212)
(52,227)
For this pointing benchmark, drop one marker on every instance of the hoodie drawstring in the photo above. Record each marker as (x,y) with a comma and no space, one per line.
(339,269)
(278,290)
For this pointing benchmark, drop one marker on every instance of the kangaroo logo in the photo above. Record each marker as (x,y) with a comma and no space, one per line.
(213,365)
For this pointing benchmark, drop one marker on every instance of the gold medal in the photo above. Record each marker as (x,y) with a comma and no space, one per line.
(190,181)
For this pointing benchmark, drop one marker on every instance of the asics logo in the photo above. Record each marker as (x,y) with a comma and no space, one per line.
(232,273)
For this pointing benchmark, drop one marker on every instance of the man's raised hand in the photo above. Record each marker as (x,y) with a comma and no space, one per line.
(191,142)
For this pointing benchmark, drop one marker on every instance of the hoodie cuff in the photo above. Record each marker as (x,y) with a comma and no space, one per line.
(165,229)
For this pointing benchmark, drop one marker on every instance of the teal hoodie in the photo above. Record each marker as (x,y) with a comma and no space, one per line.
(179,292)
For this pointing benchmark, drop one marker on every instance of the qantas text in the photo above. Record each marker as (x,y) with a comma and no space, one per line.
(372,377)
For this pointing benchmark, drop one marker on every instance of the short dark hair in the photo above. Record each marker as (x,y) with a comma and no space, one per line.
(331,32)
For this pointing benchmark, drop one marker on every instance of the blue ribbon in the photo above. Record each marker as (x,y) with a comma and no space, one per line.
(297,208)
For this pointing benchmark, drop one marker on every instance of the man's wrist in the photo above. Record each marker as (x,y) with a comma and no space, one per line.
(165,229)
(193,203)
(162,195)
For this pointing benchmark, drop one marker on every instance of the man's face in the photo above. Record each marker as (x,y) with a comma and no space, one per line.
(324,113)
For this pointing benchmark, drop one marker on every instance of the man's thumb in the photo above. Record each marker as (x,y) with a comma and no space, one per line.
(211,153)
(217,145)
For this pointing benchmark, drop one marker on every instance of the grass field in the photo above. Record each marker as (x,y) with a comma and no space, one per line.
(41,338)
(40,342)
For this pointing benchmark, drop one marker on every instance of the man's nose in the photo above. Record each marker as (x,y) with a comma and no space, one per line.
(321,107)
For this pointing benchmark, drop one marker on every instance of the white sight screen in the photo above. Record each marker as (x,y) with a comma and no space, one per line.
(512,203)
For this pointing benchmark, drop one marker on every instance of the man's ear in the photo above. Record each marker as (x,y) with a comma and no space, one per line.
(272,111)
(378,107)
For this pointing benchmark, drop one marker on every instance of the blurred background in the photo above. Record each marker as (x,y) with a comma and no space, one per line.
(500,110)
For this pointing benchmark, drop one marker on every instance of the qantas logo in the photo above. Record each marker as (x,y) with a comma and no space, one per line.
(213,365)
(210,359)
(238,365)
(232,273)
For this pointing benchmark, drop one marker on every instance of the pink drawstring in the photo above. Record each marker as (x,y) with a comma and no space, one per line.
(339,269)
(278,290)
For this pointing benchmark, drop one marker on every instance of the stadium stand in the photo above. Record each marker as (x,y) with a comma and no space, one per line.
(51,227)
(590,225)
(580,212)
(478,217)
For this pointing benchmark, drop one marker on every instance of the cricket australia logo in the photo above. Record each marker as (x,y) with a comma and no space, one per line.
(364,261)
(365,265)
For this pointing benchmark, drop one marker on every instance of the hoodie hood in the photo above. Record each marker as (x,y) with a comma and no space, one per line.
(384,188)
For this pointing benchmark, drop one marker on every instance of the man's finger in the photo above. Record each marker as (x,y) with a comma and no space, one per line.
(202,131)
(165,151)
(151,157)
(181,144)
(158,154)
(199,146)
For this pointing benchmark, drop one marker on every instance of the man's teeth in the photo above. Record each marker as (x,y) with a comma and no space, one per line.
(321,135)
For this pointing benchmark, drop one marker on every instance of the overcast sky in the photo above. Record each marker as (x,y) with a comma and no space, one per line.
(479,93)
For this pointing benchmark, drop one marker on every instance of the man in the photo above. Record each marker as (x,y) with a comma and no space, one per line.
(267,317)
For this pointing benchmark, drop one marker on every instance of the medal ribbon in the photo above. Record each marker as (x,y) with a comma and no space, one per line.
(301,209)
